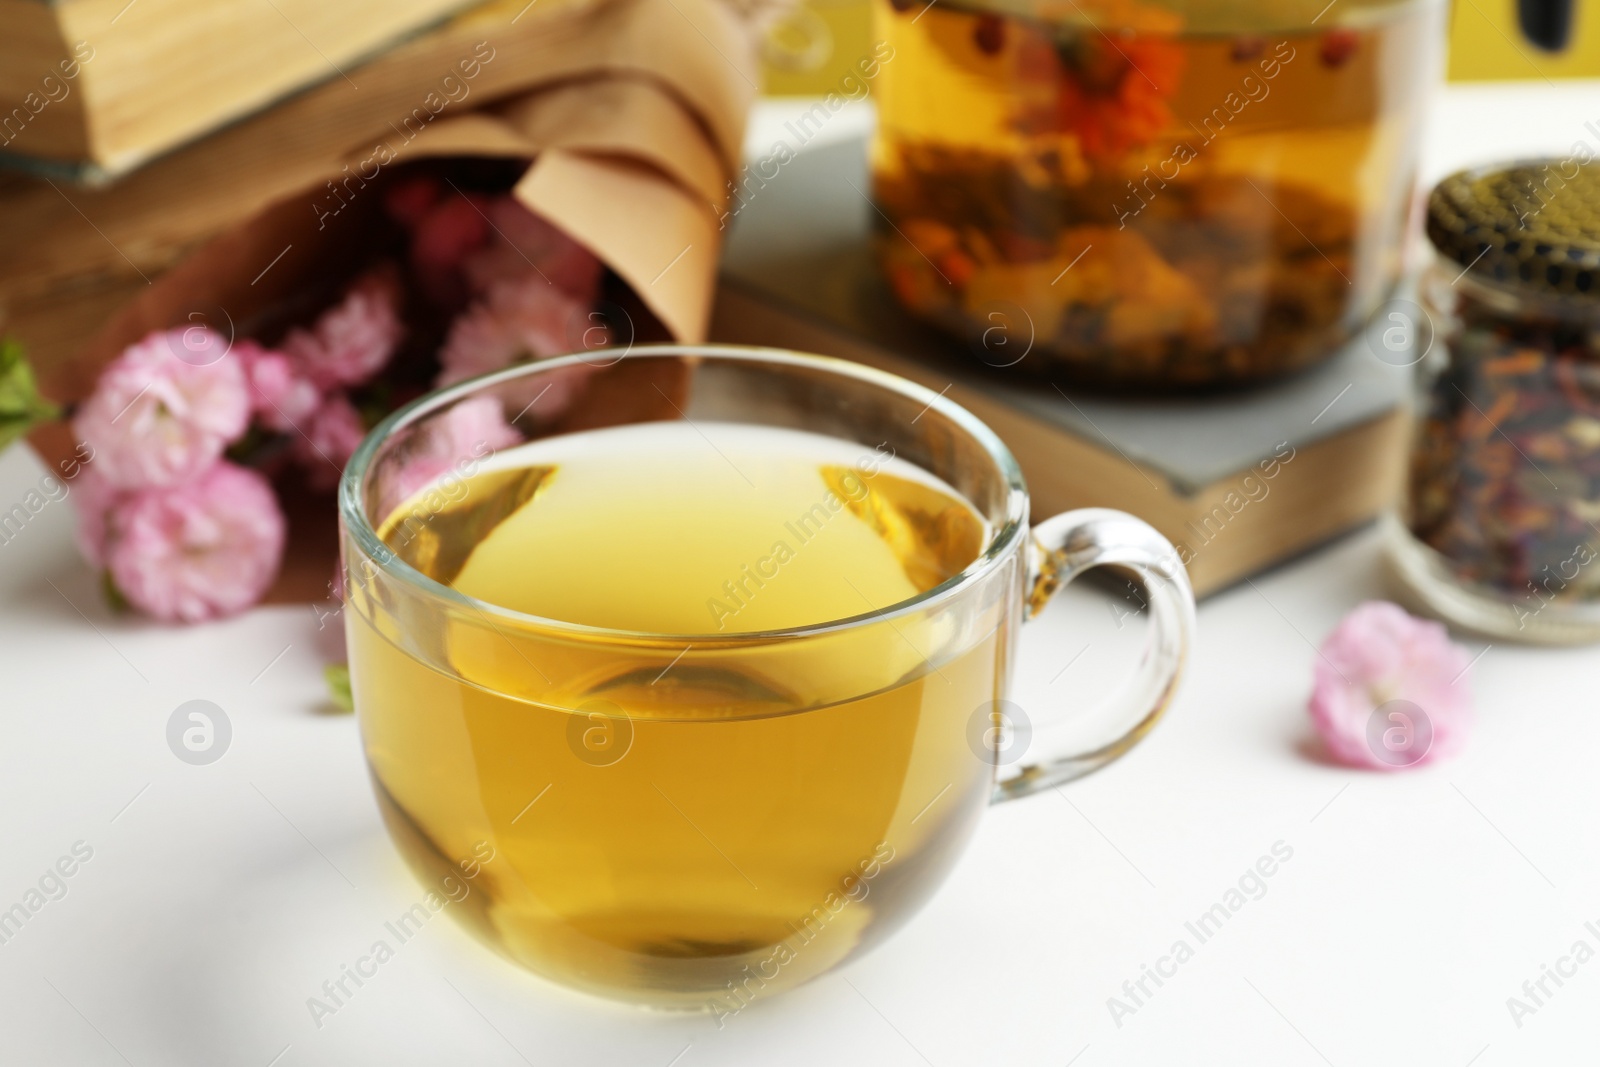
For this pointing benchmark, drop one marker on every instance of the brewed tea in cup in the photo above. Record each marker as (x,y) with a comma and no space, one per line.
(710,654)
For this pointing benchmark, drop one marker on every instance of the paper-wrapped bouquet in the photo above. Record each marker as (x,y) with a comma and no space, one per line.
(222,326)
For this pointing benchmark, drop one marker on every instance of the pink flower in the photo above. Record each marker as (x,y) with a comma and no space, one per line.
(445,234)
(164,410)
(545,397)
(328,439)
(1388,692)
(408,200)
(456,440)
(474,427)
(207,548)
(351,341)
(93,497)
(522,243)
(281,396)
(518,318)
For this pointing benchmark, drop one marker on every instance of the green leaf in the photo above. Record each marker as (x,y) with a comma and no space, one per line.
(338,676)
(21,406)
(114,599)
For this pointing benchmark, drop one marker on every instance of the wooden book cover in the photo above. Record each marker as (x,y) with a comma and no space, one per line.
(1238,481)
(93,88)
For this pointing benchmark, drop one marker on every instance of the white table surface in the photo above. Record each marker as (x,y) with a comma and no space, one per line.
(219,898)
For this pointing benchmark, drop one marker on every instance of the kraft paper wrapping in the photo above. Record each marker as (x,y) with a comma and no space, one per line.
(630,111)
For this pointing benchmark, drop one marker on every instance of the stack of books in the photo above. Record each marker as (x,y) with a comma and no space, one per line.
(94,88)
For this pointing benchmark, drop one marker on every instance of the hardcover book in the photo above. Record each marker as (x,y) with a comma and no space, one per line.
(1238,481)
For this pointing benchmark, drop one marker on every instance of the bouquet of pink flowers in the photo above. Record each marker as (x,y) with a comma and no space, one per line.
(190,431)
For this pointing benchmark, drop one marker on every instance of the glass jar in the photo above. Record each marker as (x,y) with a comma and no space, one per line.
(1498,528)
(1157,193)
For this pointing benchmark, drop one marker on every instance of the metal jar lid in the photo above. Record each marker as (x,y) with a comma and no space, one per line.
(1533,224)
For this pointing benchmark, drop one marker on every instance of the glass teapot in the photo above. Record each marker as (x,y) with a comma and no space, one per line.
(1151,193)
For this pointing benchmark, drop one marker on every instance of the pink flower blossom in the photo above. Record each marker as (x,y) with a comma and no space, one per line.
(518,318)
(164,410)
(445,234)
(544,397)
(207,548)
(457,440)
(93,497)
(281,396)
(475,426)
(408,200)
(522,243)
(1388,690)
(351,341)
(328,439)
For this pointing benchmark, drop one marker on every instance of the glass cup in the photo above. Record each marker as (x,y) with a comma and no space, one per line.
(698,820)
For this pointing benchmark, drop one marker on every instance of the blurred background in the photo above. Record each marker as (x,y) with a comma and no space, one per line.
(812,49)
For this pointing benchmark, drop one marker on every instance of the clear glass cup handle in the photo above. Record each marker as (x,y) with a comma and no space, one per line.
(1063,548)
